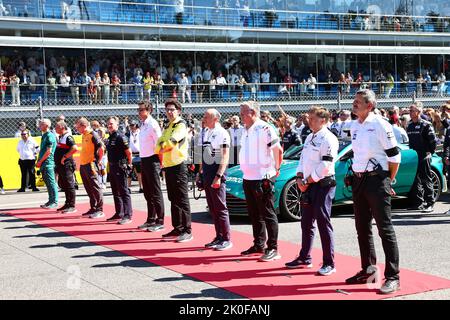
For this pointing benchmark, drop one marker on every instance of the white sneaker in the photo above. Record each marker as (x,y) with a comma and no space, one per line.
(97,215)
(2,191)
(326,270)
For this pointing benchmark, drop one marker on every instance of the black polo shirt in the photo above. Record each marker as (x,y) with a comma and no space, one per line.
(116,145)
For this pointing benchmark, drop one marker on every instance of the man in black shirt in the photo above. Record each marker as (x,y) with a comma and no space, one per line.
(422,139)
(119,158)
(290,137)
(306,130)
(65,165)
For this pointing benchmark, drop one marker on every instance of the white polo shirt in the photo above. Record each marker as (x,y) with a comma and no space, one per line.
(148,136)
(256,157)
(213,141)
(373,139)
(27,149)
(319,155)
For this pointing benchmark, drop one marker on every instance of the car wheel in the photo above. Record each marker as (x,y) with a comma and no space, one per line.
(437,185)
(290,202)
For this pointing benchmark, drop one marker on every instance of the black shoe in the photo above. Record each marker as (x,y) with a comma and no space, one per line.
(298,263)
(35,189)
(270,255)
(64,207)
(88,213)
(390,286)
(172,234)
(21,190)
(252,250)
(362,276)
(116,216)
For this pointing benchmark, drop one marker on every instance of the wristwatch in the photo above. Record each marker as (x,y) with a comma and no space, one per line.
(304,181)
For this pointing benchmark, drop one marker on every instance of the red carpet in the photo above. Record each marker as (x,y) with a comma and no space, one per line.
(244,276)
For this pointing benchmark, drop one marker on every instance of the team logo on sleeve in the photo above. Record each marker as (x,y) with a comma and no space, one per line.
(390,135)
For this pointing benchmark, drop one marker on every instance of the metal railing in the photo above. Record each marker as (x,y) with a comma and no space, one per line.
(143,13)
(203,93)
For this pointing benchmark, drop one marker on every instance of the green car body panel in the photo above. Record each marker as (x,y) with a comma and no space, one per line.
(402,185)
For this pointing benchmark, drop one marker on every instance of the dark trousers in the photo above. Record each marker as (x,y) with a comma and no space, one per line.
(177,192)
(372,200)
(422,189)
(216,199)
(89,176)
(262,214)
(151,183)
(28,175)
(121,193)
(319,208)
(66,181)
(234,156)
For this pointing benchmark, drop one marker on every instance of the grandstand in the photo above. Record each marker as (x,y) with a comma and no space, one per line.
(288,39)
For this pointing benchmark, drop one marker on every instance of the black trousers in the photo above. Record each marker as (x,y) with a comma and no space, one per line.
(66,181)
(90,180)
(234,156)
(262,214)
(28,175)
(177,192)
(372,200)
(121,193)
(151,183)
(422,189)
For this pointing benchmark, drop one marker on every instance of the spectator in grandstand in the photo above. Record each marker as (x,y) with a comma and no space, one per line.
(115,82)
(25,85)
(46,163)
(221,84)
(389,85)
(148,83)
(312,82)
(199,88)
(98,84)
(138,89)
(348,83)
(212,88)
(441,84)
(241,87)
(14,82)
(85,81)
(427,81)
(64,81)
(52,87)
(106,81)
(27,149)
(179,10)
(3,85)
(183,83)
(265,80)
(420,83)
(404,83)
(75,87)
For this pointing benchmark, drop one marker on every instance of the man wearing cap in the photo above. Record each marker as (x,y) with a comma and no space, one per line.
(172,147)
(46,163)
(149,133)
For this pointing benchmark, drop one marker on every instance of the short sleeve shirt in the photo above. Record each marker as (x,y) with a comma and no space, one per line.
(65,143)
(48,141)
(116,145)
(214,140)
(256,158)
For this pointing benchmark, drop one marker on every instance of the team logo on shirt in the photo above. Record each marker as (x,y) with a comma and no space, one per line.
(390,135)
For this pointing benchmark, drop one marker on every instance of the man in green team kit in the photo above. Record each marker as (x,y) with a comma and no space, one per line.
(46,163)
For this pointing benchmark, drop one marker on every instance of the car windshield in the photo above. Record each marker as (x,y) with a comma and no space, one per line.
(293,153)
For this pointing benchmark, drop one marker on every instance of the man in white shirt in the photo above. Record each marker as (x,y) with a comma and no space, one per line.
(375,165)
(312,81)
(265,79)
(183,86)
(260,158)
(316,181)
(235,132)
(27,149)
(221,83)
(215,156)
(151,168)
(341,128)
